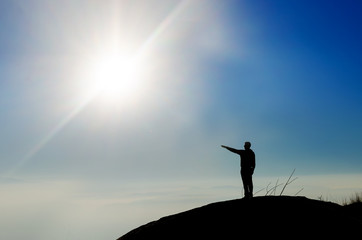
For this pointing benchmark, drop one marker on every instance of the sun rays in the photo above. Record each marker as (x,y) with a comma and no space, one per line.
(110,76)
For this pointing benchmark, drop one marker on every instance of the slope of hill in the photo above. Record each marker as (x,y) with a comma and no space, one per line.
(279,217)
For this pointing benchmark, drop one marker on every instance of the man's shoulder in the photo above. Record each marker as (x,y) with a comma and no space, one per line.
(250,151)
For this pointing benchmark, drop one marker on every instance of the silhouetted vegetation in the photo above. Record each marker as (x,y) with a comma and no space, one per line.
(355,198)
(271,190)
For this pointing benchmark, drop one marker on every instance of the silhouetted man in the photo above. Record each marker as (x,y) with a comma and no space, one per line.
(247,164)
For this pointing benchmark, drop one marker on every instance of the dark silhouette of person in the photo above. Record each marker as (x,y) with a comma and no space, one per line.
(247,164)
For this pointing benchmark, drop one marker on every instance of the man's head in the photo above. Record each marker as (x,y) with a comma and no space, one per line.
(247,145)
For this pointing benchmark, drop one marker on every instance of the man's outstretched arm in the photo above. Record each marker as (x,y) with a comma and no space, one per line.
(231,149)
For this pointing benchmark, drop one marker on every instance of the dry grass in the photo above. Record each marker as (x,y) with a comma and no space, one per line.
(355,198)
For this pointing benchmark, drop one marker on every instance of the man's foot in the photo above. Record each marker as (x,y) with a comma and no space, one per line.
(249,195)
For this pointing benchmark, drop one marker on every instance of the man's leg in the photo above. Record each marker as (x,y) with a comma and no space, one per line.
(244,177)
(250,185)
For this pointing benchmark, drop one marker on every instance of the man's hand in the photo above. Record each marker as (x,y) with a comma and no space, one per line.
(231,149)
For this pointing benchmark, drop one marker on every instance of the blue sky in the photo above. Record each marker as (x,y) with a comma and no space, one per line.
(284,75)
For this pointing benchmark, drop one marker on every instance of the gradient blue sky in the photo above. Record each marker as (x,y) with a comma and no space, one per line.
(285,75)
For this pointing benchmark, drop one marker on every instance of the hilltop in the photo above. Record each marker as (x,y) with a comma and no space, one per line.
(270,216)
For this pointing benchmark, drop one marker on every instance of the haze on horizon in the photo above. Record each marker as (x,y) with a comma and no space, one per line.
(113,112)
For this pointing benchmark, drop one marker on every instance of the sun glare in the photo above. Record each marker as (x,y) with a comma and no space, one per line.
(114,78)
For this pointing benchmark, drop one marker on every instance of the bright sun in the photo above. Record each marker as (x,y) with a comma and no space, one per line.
(114,78)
